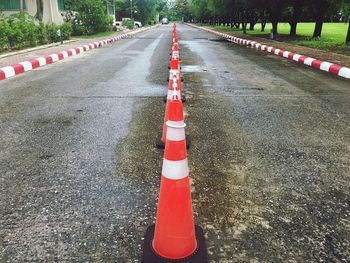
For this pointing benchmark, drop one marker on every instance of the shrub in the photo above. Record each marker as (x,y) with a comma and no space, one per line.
(89,17)
(129,24)
(41,32)
(52,33)
(3,36)
(20,30)
(67,30)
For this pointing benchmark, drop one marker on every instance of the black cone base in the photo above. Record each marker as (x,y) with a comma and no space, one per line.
(161,145)
(150,256)
(183,98)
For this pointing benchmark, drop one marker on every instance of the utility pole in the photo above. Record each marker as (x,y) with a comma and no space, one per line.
(131,9)
(114,18)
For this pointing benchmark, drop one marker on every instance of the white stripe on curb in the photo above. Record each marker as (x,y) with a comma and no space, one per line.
(26,65)
(9,71)
(42,61)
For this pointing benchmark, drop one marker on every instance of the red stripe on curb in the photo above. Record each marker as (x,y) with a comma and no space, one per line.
(60,56)
(35,63)
(302,59)
(291,55)
(316,64)
(48,60)
(77,50)
(18,68)
(2,75)
(335,69)
(69,53)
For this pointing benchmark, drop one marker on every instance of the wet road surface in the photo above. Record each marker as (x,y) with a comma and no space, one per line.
(269,161)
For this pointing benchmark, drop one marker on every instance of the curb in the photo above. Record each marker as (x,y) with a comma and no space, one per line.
(305,60)
(56,44)
(16,69)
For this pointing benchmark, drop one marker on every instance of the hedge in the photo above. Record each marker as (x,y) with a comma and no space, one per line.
(21,31)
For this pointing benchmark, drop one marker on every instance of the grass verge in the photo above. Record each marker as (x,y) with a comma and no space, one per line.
(332,39)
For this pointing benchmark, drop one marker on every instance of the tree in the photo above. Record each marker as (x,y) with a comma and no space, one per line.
(39,10)
(90,16)
(320,8)
(345,17)
(275,11)
(296,10)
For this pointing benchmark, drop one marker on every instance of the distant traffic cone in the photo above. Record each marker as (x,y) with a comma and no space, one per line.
(174,64)
(175,83)
(175,46)
(175,238)
(172,91)
(175,39)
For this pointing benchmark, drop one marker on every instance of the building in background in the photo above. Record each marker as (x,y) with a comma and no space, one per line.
(52,10)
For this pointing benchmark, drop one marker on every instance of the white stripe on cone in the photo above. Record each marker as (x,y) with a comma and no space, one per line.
(175,170)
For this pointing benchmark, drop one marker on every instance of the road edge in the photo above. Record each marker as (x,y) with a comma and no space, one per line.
(22,67)
(329,67)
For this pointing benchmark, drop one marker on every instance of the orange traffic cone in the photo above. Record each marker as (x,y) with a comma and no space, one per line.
(175,46)
(174,63)
(173,89)
(175,81)
(175,238)
(175,39)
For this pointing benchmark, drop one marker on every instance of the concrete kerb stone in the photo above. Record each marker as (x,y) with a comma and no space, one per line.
(16,69)
(305,60)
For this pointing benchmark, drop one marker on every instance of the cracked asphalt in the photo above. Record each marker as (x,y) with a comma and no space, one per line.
(269,160)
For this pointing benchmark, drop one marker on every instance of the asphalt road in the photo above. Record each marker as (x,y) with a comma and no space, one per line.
(270,156)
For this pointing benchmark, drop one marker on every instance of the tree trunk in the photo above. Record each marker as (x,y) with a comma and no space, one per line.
(252,21)
(263,21)
(293,28)
(319,25)
(318,29)
(244,22)
(274,28)
(297,10)
(39,11)
(347,41)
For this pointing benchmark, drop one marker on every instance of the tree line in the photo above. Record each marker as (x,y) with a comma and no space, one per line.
(240,13)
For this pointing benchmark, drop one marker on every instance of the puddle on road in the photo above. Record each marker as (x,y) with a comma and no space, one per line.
(193,69)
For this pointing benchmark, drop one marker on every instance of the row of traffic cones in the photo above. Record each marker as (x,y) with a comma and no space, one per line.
(174,237)
(174,88)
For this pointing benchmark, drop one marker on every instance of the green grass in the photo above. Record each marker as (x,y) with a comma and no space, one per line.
(332,38)
(98,35)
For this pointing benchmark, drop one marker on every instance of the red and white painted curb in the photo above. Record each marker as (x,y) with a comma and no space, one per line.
(312,62)
(16,69)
